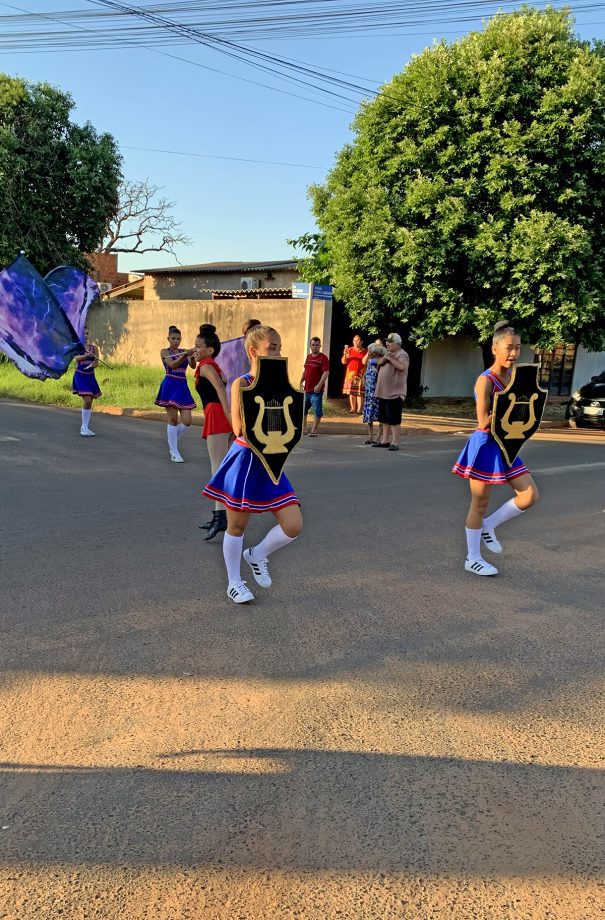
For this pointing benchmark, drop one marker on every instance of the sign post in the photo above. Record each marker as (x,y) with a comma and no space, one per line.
(310,291)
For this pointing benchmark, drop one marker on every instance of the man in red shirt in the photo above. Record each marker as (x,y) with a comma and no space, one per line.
(314,378)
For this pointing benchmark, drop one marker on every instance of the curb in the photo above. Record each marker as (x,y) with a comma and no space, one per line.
(412,424)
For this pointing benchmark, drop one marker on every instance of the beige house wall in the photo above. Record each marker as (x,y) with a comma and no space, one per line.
(189,285)
(134,331)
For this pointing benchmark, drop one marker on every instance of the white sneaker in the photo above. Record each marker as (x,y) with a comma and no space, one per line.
(491,541)
(259,568)
(240,593)
(87,433)
(176,458)
(480,567)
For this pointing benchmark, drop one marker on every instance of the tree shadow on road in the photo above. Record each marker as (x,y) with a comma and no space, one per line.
(309,810)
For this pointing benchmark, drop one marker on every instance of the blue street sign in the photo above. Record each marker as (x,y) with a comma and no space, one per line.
(300,289)
(320,291)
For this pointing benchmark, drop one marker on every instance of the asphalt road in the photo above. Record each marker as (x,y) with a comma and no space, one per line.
(381,735)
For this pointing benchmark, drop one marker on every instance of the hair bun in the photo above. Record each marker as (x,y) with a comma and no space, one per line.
(207,329)
(503,324)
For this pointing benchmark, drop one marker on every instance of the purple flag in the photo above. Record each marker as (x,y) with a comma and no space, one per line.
(36,331)
(233,361)
(75,291)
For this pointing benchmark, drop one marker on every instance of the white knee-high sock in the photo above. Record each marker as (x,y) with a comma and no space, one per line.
(473,543)
(86,413)
(181,429)
(171,434)
(232,554)
(507,511)
(275,539)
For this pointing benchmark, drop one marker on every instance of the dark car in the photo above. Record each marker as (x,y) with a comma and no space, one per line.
(586,408)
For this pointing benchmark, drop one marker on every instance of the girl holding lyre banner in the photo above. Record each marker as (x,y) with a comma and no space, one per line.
(482,461)
(243,484)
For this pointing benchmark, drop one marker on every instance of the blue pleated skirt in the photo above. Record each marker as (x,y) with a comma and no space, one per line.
(481,458)
(174,392)
(242,483)
(85,384)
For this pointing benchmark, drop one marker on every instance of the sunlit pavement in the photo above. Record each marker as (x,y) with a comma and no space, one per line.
(380,735)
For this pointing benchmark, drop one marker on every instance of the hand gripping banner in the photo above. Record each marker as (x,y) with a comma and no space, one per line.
(517,411)
(272,415)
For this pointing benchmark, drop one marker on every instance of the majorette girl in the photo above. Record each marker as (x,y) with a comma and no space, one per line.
(244,486)
(482,463)
(85,383)
(174,393)
(210,385)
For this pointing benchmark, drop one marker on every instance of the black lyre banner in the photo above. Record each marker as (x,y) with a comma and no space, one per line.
(517,411)
(272,414)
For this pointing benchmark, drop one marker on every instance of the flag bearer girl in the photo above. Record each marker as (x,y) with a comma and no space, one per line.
(174,393)
(217,431)
(85,383)
(482,463)
(242,484)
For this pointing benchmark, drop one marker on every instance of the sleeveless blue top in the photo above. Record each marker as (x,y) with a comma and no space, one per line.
(180,371)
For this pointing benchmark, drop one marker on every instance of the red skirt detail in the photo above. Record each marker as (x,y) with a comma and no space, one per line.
(215,420)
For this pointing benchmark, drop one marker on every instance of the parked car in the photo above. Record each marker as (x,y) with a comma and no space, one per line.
(586,408)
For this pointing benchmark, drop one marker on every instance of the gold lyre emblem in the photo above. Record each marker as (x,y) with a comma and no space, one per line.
(517,428)
(272,413)
(273,439)
(517,411)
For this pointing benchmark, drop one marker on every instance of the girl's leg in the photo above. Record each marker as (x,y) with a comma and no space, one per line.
(370,432)
(218,445)
(237,521)
(86,413)
(480,493)
(184,423)
(351,403)
(172,417)
(288,527)
(526,495)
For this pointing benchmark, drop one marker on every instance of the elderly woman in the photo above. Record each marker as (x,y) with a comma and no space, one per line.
(353,387)
(370,403)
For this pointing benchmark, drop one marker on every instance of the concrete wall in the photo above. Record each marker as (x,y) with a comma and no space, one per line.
(134,331)
(588,364)
(451,367)
(190,285)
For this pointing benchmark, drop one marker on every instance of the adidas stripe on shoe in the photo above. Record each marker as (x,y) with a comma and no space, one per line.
(260,569)
(491,541)
(240,593)
(480,567)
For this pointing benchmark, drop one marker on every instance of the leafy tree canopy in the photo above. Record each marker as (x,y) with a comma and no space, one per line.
(473,190)
(58,180)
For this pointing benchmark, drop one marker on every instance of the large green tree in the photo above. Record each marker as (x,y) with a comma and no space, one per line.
(474,190)
(58,180)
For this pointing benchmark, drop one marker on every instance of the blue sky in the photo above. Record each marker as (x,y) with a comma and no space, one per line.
(232,210)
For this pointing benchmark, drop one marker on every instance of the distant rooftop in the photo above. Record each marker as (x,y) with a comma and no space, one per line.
(214,267)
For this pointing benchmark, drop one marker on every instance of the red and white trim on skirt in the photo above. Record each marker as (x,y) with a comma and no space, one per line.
(469,472)
(245,504)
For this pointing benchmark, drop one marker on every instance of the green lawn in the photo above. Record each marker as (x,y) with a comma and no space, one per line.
(124,386)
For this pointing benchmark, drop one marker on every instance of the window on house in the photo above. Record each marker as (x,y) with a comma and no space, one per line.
(556,369)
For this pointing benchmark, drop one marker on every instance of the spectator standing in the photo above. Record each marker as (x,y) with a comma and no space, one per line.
(370,402)
(391,390)
(314,379)
(353,387)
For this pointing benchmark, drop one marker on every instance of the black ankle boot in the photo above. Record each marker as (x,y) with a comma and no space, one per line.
(218,524)
(207,525)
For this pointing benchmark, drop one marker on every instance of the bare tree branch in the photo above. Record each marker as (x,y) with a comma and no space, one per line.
(141,218)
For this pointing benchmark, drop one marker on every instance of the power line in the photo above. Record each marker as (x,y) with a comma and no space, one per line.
(212,156)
